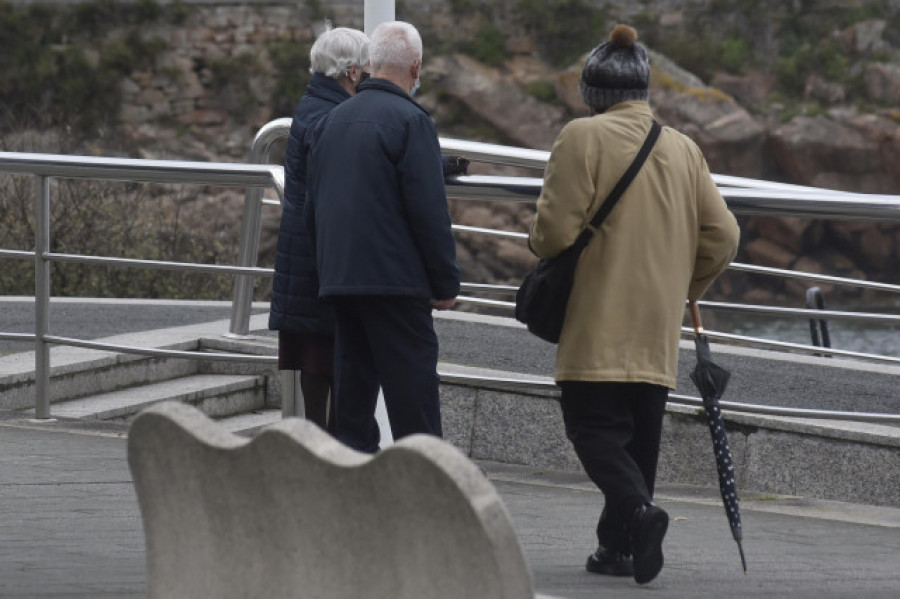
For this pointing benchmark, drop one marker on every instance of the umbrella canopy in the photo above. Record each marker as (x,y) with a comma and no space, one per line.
(711,380)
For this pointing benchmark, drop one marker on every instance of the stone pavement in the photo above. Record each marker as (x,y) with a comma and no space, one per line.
(70,527)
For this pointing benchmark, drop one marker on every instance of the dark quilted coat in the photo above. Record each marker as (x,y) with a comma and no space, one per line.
(295,304)
(377,207)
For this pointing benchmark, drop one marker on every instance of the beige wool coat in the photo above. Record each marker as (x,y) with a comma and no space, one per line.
(666,240)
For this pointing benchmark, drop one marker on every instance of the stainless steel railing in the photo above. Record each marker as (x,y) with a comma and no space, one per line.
(44,167)
(743,195)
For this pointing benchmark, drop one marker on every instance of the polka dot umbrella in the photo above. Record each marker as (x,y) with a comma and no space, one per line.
(711,380)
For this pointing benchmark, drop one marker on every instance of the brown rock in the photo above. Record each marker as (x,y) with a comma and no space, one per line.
(788,233)
(566,86)
(730,138)
(516,254)
(750,90)
(827,92)
(203,117)
(768,253)
(877,248)
(866,36)
(496,99)
(797,287)
(806,148)
(759,295)
(882,81)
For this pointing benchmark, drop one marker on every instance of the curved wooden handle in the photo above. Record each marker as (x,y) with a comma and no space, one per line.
(695,317)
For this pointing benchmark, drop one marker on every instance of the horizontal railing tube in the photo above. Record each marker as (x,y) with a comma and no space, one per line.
(545,385)
(162,353)
(159,264)
(133,169)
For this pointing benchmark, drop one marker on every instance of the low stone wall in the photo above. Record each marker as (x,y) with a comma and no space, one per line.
(841,461)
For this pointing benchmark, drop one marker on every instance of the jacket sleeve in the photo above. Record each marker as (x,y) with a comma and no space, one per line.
(425,202)
(718,238)
(566,195)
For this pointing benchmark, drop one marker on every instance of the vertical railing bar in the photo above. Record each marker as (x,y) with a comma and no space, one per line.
(248,253)
(41,297)
(248,250)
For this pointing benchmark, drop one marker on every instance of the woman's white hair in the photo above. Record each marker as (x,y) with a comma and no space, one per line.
(336,50)
(395,45)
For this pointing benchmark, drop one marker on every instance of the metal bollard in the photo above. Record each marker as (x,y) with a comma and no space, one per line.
(292,405)
(818,328)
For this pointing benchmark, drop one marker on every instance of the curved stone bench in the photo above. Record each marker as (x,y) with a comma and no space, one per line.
(294,513)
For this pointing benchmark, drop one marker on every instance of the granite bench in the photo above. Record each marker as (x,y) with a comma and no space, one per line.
(294,513)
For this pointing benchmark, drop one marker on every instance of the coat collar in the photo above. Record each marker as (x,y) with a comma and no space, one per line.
(388,86)
(326,88)
(639,107)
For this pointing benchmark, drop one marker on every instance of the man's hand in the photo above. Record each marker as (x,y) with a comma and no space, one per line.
(443,304)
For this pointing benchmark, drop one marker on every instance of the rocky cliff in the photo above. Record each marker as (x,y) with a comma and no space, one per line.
(805,92)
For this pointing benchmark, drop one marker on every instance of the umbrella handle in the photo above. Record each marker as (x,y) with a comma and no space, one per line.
(695,316)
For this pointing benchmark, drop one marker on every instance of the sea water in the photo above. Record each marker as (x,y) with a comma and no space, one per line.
(865,337)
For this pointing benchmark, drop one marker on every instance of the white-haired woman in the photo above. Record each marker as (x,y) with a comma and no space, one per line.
(305,325)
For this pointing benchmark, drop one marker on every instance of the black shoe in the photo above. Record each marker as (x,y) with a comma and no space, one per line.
(611,563)
(648,528)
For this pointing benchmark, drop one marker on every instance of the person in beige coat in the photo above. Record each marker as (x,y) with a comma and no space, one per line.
(666,240)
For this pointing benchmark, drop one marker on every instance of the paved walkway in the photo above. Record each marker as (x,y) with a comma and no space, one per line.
(70,527)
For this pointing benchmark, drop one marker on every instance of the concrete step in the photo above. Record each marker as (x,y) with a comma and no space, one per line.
(250,423)
(216,395)
(77,372)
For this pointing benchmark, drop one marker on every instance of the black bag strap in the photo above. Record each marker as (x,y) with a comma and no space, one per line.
(617,191)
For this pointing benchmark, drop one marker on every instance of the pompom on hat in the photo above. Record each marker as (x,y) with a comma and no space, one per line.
(616,71)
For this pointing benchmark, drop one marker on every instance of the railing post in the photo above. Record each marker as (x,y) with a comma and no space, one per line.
(292,402)
(248,250)
(248,253)
(816,301)
(41,297)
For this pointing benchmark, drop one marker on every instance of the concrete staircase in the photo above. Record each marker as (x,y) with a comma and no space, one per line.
(88,384)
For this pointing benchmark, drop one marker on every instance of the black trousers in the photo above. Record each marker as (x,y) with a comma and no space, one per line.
(615,429)
(390,342)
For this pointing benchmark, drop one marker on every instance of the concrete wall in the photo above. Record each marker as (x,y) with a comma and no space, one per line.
(823,459)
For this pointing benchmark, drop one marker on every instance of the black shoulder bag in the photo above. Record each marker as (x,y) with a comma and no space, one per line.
(542,298)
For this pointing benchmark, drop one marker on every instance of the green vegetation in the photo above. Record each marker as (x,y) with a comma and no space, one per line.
(541,90)
(792,40)
(825,59)
(62,67)
(562,29)
(291,62)
(99,218)
(488,45)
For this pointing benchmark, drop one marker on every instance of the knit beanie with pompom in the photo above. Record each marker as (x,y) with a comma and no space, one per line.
(616,71)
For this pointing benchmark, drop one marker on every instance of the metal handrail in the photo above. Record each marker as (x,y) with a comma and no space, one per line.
(743,196)
(537,385)
(44,167)
(810,276)
(821,204)
(248,246)
(134,169)
(162,353)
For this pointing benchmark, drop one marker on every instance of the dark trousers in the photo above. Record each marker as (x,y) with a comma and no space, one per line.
(390,342)
(615,429)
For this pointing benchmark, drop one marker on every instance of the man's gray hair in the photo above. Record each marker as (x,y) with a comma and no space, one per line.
(336,50)
(395,45)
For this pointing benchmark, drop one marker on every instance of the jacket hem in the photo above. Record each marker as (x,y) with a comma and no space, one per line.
(614,377)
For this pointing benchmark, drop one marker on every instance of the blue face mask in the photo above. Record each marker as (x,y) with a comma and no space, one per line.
(415,88)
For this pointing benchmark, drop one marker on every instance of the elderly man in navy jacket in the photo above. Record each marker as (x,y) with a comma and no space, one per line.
(377,210)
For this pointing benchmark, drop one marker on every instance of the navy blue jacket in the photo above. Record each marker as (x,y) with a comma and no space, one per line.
(376,205)
(295,304)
